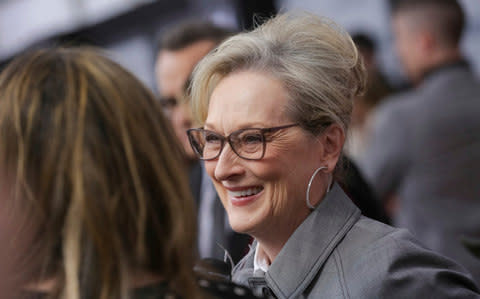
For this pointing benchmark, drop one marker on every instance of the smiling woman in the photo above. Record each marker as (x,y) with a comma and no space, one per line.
(276,175)
(275,104)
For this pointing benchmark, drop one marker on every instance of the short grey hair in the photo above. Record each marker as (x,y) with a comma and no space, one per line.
(314,58)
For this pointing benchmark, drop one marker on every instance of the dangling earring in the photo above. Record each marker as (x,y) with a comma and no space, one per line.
(309,204)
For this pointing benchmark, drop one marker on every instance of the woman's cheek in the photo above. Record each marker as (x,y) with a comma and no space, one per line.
(279,198)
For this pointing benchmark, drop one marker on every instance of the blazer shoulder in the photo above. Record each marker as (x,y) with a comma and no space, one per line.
(380,261)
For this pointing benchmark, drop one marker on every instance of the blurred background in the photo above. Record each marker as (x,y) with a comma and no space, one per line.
(129,29)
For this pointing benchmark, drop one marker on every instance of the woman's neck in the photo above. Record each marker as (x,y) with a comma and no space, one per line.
(272,239)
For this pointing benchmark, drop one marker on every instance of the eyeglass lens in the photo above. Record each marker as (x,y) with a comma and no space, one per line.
(247,144)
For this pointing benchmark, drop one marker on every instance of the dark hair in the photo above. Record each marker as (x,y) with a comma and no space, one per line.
(364,41)
(447,19)
(184,34)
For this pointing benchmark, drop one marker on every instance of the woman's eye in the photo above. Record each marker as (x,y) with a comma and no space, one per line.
(212,138)
(252,138)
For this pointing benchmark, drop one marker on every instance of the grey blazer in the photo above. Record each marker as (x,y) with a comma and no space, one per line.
(337,253)
(425,148)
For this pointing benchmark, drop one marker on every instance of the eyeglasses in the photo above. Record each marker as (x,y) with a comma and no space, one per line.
(248,143)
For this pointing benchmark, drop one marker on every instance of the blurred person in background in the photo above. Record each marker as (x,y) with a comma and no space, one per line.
(275,106)
(424,156)
(351,179)
(180,49)
(377,89)
(92,169)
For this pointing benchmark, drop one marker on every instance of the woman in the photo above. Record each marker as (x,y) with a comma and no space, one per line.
(275,105)
(89,165)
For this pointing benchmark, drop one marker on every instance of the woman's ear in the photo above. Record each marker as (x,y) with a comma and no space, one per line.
(332,140)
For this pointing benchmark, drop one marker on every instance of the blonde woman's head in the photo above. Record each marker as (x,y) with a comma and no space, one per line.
(275,104)
(315,59)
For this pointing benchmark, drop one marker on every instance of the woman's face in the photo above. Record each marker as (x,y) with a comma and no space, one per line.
(261,196)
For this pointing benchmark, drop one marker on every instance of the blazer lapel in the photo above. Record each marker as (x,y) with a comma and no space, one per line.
(311,244)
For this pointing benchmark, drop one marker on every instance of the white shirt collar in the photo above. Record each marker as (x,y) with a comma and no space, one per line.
(260,260)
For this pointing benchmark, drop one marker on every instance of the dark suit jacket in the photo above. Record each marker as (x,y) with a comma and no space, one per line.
(236,244)
(360,192)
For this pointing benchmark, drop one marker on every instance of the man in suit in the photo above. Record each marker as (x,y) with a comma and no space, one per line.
(181,48)
(424,155)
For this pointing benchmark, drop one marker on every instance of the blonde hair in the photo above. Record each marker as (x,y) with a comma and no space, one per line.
(315,59)
(96,163)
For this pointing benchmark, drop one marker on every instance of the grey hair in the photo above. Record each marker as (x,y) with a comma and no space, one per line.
(314,58)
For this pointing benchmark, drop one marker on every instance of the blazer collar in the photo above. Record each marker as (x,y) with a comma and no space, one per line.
(311,244)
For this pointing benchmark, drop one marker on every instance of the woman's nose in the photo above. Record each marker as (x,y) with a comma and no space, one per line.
(227,165)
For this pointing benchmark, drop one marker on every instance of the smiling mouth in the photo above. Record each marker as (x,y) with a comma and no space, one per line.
(245,193)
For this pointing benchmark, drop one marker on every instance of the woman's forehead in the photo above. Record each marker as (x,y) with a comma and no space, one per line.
(247,98)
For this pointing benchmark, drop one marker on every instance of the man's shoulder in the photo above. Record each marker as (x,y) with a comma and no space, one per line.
(397,105)
(393,116)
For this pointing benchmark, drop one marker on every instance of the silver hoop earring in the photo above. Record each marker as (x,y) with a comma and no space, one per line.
(309,204)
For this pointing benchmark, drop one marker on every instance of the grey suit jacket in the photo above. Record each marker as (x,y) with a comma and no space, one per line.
(426,149)
(337,253)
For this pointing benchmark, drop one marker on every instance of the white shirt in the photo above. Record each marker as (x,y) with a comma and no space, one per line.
(260,260)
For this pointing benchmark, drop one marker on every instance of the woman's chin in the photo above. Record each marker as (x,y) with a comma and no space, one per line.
(242,225)
(241,228)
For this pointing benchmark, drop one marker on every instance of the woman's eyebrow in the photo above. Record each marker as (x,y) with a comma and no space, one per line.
(249,125)
(208,126)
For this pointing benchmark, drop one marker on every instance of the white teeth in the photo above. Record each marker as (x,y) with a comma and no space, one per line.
(247,192)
